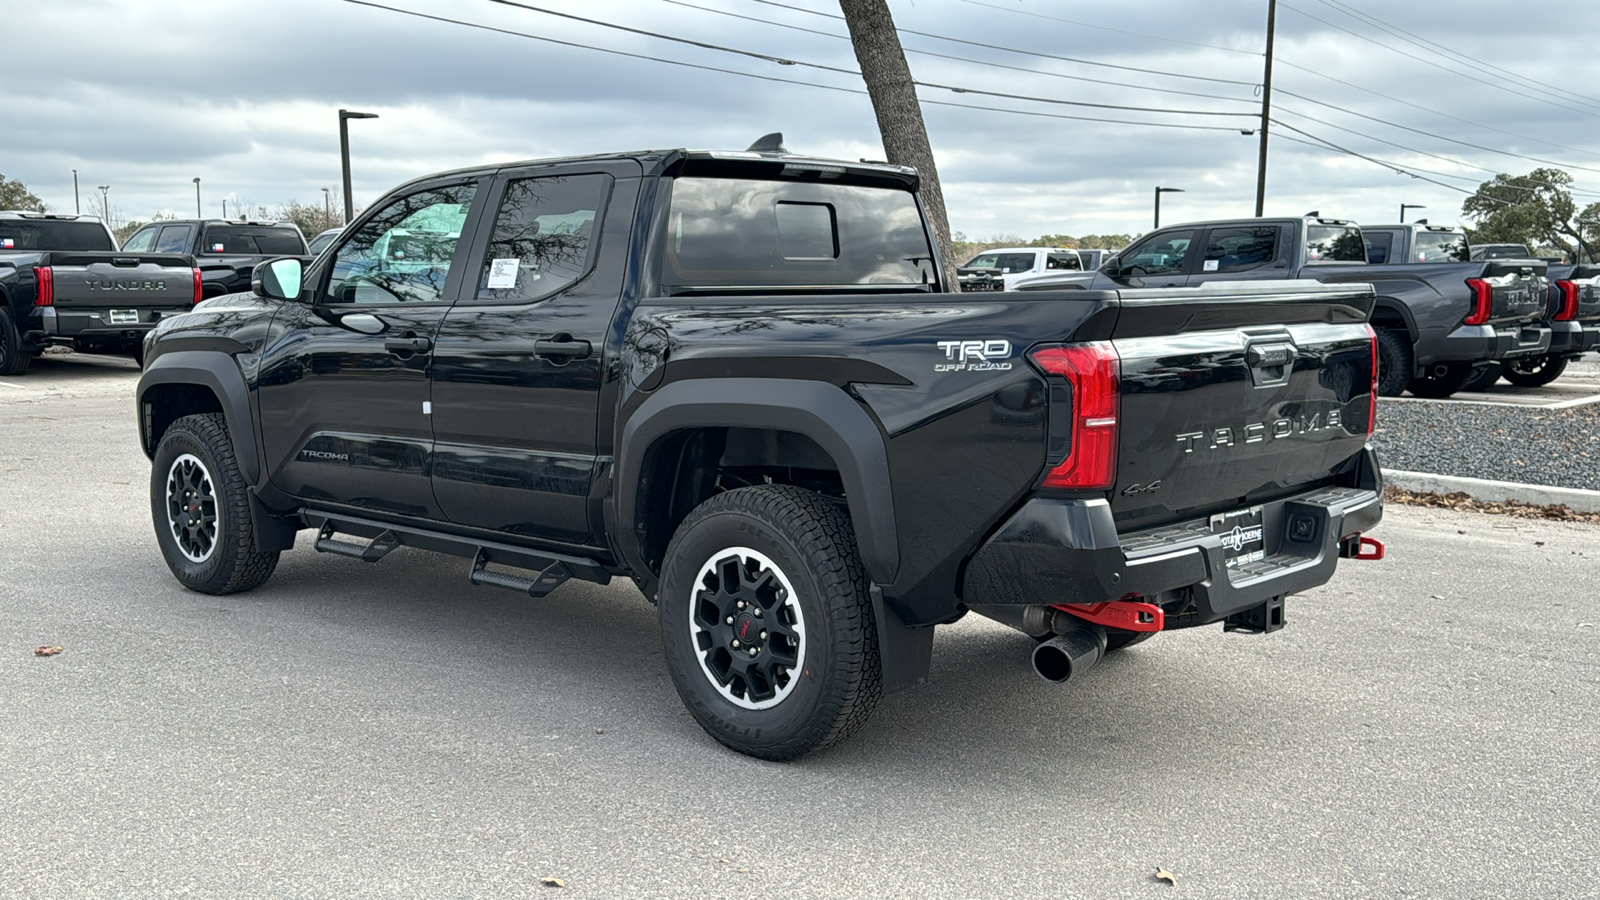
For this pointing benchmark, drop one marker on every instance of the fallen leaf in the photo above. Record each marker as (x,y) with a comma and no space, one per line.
(725,861)
(744,871)
(46,651)
(599,731)
(1163,875)
(552,881)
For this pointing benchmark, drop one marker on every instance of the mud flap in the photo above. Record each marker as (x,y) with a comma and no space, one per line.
(906,652)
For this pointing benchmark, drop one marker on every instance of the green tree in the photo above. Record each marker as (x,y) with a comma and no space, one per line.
(15,195)
(1532,209)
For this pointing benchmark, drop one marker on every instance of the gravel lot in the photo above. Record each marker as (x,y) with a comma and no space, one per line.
(1423,728)
(1559,447)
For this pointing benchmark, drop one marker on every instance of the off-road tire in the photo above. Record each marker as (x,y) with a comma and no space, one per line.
(809,540)
(1395,362)
(1534,372)
(233,563)
(1434,386)
(14,359)
(1485,379)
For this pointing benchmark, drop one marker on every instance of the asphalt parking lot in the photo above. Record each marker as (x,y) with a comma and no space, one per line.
(1425,727)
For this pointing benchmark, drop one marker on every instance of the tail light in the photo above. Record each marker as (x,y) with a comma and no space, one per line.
(1092,372)
(1372,404)
(1569,301)
(198,293)
(46,293)
(1482,300)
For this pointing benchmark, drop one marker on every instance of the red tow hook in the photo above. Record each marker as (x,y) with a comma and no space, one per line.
(1359,546)
(1128,615)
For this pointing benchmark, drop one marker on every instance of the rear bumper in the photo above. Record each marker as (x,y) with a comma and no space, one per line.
(1068,551)
(1573,338)
(1479,343)
(55,324)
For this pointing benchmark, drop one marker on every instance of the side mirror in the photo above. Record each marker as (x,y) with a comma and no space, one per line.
(1112,269)
(278,279)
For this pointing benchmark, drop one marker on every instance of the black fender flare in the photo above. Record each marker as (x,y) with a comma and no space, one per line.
(818,410)
(1391,305)
(220,372)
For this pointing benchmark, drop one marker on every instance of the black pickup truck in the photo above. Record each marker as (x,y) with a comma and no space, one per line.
(736,379)
(226,250)
(63,281)
(1439,323)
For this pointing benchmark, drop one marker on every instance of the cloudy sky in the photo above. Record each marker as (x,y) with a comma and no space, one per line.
(146,95)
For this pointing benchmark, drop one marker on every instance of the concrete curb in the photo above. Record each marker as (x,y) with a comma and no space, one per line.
(1494,491)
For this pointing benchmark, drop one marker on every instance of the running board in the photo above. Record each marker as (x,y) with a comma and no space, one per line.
(553,569)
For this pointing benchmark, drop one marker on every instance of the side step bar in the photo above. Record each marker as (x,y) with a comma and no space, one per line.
(553,569)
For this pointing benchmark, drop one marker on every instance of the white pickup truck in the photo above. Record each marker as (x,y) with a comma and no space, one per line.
(997,270)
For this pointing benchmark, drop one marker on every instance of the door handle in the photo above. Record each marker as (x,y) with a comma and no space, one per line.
(563,349)
(408,344)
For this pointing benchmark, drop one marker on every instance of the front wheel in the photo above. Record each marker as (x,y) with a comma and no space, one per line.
(201,509)
(1534,371)
(1440,380)
(767,624)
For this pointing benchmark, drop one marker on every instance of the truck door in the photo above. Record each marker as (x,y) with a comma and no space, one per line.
(343,390)
(1243,253)
(520,361)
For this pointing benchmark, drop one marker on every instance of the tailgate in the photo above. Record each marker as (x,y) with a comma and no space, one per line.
(122,281)
(1233,401)
(1519,291)
(1587,281)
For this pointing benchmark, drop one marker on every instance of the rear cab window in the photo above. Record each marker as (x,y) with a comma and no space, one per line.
(733,233)
(253,240)
(25,234)
(1379,244)
(1440,246)
(1326,243)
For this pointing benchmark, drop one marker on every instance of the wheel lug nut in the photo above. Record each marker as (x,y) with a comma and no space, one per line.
(730,620)
(758,612)
(753,651)
(736,644)
(763,635)
(741,604)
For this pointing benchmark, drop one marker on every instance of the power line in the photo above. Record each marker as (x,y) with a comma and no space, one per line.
(772,78)
(1418,40)
(1153,37)
(1380,140)
(1084,62)
(843,71)
(1429,62)
(965,59)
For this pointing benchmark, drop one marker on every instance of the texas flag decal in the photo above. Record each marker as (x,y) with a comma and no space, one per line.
(7,243)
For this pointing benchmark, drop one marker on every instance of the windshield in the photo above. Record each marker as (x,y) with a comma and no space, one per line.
(321,241)
(254,240)
(1334,243)
(1441,246)
(26,234)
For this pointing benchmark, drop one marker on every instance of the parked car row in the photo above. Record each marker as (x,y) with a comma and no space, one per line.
(64,280)
(1444,317)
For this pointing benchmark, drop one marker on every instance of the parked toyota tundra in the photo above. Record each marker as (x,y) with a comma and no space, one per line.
(63,282)
(1439,323)
(226,250)
(737,379)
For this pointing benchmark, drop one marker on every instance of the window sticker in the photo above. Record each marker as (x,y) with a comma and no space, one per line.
(503,273)
(7,243)
(1211,265)
(216,248)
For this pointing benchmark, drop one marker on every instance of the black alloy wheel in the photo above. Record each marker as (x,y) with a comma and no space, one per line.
(14,359)
(201,509)
(1534,371)
(767,623)
(1440,380)
(1394,362)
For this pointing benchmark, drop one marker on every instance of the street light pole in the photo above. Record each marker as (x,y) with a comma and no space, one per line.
(198,214)
(1406,206)
(327,209)
(1159,192)
(345,116)
(105,204)
(77,207)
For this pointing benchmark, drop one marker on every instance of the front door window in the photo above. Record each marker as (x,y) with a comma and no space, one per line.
(404,253)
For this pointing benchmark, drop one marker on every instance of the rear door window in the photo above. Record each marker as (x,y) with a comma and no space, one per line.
(1334,243)
(1378,244)
(1240,248)
(543,238)
(1162,254)
(1012,263)
(1063,262)
(173,239)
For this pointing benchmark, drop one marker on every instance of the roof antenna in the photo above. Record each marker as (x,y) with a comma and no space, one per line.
(1420,222)
(1315,213)
(768,143)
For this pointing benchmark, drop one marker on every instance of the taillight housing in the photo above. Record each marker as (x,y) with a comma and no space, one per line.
(45,295)
(1372,404)
(199,294)
(1482,301)
(1094,372)
(1569,301)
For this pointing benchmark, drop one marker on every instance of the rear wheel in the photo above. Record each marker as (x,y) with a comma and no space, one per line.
(767,624)
(1534,371)
(1394,362)
(1440,380)
(201,510)
(13,358)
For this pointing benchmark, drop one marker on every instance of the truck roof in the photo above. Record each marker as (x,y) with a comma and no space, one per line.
(1414,226)
(58,217)
(1270,220)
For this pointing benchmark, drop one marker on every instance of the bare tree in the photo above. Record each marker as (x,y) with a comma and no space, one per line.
(894,99)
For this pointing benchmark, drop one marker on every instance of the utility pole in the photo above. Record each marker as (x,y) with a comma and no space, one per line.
(77,208)
(198,212)
(1406,206)
(894,101)
(1266,110)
